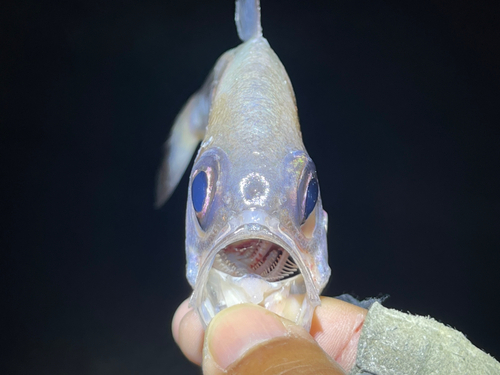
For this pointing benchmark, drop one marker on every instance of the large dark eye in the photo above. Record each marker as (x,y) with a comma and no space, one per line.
(199,191)
(204,196)
(311,197)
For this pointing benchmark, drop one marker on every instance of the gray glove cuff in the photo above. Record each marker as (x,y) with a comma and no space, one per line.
(395,343)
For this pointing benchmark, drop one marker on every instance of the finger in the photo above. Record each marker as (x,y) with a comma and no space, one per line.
(336,326)
(248,339)
(188,332)
(182,310)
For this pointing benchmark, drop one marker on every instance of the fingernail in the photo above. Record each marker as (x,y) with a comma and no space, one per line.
(236,329)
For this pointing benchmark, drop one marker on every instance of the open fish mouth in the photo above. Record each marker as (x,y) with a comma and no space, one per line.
(252,264)
(257,257)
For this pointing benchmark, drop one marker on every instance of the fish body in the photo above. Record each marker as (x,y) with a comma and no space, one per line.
(255,226)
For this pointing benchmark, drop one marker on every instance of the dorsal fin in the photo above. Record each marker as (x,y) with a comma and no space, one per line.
(247,18)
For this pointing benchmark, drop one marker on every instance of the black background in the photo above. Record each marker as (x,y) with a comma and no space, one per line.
(399,106)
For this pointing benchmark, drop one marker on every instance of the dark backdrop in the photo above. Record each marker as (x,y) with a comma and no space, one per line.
(399,105)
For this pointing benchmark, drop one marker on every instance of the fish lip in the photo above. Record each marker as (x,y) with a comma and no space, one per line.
(254,231)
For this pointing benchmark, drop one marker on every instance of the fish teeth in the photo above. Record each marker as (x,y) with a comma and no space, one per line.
(290,265)
(258,257)
(267,263)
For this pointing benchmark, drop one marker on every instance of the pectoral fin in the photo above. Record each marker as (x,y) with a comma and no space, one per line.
(188,130)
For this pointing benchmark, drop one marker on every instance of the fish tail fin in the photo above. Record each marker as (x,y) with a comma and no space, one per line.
(179,148)
(247,18)
(188,130)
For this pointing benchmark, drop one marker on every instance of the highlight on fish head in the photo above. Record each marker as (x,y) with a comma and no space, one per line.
(256,232)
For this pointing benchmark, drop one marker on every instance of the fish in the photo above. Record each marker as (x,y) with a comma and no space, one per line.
(255,224)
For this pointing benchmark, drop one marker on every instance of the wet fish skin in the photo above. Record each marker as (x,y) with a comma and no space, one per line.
(257,167)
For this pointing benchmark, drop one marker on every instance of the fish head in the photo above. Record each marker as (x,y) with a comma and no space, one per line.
(256,232)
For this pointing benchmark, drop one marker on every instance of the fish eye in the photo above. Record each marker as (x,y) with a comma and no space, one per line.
(203,185)
(203,196)
(311,197)
(199,191)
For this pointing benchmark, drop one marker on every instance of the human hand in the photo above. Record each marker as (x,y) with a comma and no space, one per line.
(248,339)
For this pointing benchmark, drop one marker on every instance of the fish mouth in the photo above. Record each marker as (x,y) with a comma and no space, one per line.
(255,263)
(255,256)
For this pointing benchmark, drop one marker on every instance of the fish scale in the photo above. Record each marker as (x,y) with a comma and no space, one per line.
(258,231)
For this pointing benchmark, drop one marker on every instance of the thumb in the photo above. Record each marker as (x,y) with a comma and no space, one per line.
(248,339)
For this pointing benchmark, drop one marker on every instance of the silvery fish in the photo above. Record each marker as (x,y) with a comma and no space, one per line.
(255,225)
